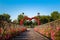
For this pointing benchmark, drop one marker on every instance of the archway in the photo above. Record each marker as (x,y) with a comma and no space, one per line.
(27,18)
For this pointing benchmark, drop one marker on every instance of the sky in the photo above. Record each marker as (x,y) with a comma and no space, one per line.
(29,7)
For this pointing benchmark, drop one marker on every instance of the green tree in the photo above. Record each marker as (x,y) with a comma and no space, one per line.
(21,16)
(55,15)
(44,19)
(59,15)
(1,17)
(5,17)
(25,22)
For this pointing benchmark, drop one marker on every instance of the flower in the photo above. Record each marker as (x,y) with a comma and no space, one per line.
(57,28)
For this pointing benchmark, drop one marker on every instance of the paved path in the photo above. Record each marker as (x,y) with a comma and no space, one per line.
(30,34)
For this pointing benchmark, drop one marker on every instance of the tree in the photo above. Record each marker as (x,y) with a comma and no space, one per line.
(55,15)
(20,17)
(25,23)
(15,21)
(5,17)
(34,23)
(44,19)
(1,17)
(59,15)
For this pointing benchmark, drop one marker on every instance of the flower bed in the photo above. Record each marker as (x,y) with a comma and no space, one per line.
(50,32)
(10,32)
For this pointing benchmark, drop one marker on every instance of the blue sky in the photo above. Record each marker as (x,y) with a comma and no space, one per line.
(29,7)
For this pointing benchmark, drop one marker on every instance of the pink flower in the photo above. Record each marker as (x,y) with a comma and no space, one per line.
(52,34)
(1,30)
(58,28)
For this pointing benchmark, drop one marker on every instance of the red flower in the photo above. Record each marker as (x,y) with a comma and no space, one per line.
(1,30)
(7,36)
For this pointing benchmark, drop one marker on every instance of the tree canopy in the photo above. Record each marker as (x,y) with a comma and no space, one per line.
(55,15)
(5,17)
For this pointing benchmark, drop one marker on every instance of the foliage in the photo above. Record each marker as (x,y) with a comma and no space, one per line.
(44,19)
(5,17)
(9,32)
(20,17)
(55,15)
(15,21)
